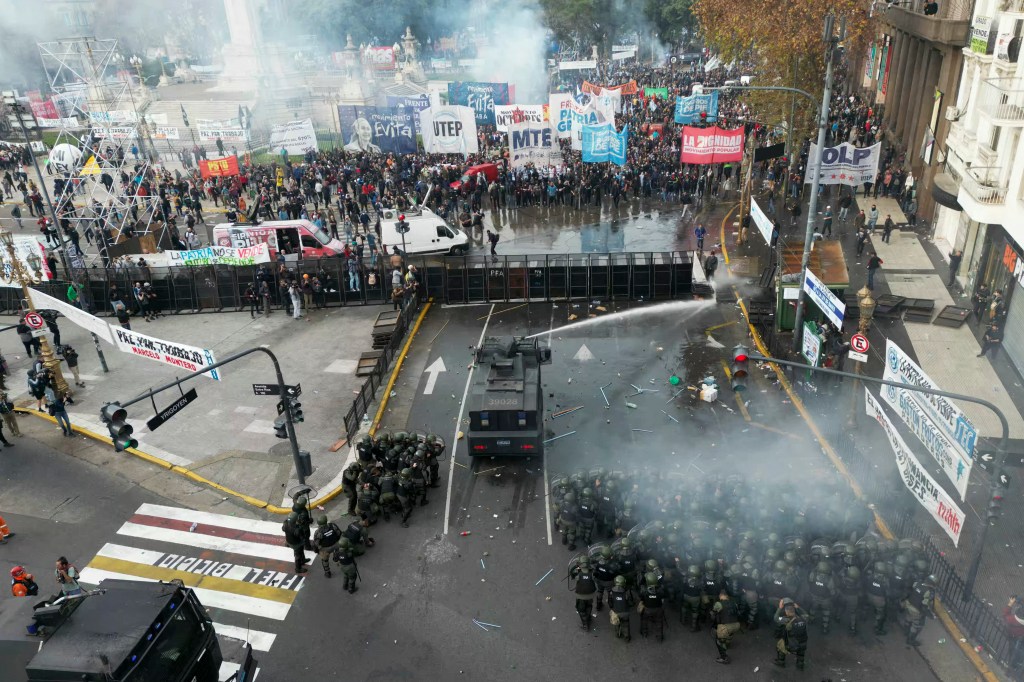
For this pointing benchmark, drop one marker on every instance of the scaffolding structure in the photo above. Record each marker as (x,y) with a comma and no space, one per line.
(101,164)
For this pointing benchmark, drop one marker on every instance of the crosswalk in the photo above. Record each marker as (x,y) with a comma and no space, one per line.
(241,569)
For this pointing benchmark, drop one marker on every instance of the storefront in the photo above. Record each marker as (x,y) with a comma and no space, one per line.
(1000,265)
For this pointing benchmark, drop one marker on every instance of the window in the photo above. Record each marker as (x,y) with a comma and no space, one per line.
(442,231)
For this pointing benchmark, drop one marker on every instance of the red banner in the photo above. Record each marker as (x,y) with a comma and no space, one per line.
(630,88)
(215,168)
(380,58)
(711,145)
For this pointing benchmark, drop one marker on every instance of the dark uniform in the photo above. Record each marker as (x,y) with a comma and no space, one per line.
(586,587)
(350,485)
(653,598)
(876,587)
(917,606)
(567,520)
(586,515)
(692,589)
(305,521)
(822,590)
(389,495)
(619,602)
(325,539)
(406,495)
(726,617)
(293,536)
(850,589)
(790,633)
(604,573)
(345,557)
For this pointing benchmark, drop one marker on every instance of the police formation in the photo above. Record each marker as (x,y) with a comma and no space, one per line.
(390,475)
(734,555)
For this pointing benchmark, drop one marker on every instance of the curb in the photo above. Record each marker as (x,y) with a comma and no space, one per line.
(398,367)
(940,611)
(721,234)
(248,499)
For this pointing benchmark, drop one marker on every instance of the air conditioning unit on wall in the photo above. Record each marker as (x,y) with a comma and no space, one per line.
(953,114)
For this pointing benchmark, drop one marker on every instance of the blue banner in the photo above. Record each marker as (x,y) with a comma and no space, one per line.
(378,130)
(416,104)
(602,143)
(480,97)
(689,109)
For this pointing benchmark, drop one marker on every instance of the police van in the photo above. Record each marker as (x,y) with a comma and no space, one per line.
(428,232)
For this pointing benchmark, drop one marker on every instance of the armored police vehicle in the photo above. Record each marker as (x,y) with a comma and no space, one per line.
(126,631)
(506,415)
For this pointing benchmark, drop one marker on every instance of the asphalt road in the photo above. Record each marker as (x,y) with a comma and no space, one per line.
(412,617)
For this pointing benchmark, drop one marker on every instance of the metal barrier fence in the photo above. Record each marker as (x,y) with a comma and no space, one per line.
(368,391)
(449,279)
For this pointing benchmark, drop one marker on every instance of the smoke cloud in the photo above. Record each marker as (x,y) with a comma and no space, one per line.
(515,50)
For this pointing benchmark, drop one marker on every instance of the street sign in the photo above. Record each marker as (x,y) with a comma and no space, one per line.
(293,391)
(860,343)
(34,320)
(171,410)
(266,389)
(36,333)
(859,357)
(828,302)
(811,344)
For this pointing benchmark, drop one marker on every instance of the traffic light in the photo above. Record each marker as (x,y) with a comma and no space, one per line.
(295,407)
(401,226)
(116,419)
(995,507)
(739,372)
(703,118)
(281,427)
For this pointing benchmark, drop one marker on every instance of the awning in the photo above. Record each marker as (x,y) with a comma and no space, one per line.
(945,189)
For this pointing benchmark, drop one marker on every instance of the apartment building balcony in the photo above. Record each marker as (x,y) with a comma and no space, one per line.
(982,189)
(951,25)
(1002,100)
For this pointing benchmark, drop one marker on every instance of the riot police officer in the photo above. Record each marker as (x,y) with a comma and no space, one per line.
(726,619)
(790,633)
(367,504)
(747,583)
(567,520)
(345,557)
(712,584)
(326,537)
(586,515)
(604,574)
(305,521)
(876,586)
(358,536)
(406,495)
(822,590)
(586,587)
(692,590)
(919,604)
(619,602)
(653,598)
(365,450)
(435,451)
(850,588)
(350,485)
(389,495)
(293,537)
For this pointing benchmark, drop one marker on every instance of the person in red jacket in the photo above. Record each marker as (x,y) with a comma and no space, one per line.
(1013,618)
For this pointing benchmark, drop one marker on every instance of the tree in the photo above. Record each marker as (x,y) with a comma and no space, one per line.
(671,18)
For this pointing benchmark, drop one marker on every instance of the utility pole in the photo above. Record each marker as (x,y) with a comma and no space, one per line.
(814,168)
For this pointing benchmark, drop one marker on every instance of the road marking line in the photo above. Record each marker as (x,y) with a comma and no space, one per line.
(458,423)
(180,537)
(214,599)
(206,529)
(223,520)
(260,641)
(229,668)
(719,326)
(547,487)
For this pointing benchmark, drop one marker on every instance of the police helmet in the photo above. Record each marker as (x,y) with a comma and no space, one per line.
(345,543)
(406,473)
(321,520)
(620,581)
(651,580)
(853,573)
(292,517)
(693,570)
(626,545)
(781,566)
(931,579)
(584,561)
(921,566)
(787,602)
(824,567)
(881,567)
(606,552)
(652,565)
(300,502)
(569,498)
(710,565)
(789,557)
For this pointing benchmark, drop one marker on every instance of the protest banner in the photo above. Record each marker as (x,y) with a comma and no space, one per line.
(170,353)
(480,97)
(689,109)
(227,134)
(215,168)
(711,145)
(449,130)
(212,255)
(630,88)
(602,143)
(925,490)
(297,137)
(88,322)
(533,143)
(26,250)
(845,164)
(507,114)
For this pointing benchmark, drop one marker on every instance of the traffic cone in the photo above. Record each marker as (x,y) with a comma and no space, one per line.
(5,532)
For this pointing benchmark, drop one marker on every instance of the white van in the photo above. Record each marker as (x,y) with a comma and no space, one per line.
(428,232)
(289,234)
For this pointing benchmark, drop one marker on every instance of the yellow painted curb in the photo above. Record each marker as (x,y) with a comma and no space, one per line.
(940,611)
(397,368)
(721,234)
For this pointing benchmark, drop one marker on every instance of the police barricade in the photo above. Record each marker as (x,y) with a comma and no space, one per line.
(620,275)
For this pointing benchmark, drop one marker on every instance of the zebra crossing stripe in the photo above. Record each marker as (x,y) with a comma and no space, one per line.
(204,541)
(222,520)
(260,641)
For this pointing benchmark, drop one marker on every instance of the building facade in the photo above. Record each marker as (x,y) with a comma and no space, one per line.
(981,188)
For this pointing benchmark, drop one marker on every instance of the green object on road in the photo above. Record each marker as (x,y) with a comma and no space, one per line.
(674,380)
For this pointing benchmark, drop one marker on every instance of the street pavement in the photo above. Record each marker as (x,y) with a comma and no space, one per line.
(227,434)
(422,587)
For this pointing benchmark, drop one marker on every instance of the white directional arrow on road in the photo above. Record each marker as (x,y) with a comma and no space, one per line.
(987,457)
(583,354)
(436,367)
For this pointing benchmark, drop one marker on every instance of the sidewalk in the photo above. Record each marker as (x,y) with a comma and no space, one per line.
(227,434)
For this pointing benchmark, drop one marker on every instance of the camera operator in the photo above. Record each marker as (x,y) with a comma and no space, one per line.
(67,576)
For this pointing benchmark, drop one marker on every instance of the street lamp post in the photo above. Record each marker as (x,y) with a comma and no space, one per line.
(866,306)
(12,269)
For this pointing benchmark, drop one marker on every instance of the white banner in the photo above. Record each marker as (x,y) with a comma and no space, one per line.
(212,255)
(845,164)
(189,358)
(71,122)
(764,225)
(507,114)
(116,133)
(942,450)
(917,480)
(569,114)
(532,143)
(827,302)
(88,322)
(449,130)
(210,134)
(609,100)
(156,119)
(577,65)
(297,137)
(125,116)
(166,133)
(943,411)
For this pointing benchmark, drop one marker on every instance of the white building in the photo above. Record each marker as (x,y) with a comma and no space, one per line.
(981,193)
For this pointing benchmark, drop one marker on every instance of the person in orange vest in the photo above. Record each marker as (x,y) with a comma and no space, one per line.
(23,584)
(5,532)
